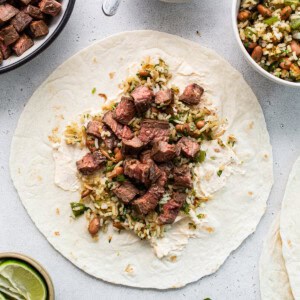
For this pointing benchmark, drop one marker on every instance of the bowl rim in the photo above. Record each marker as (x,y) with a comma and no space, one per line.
(37,266)
(259,69)
(48,40)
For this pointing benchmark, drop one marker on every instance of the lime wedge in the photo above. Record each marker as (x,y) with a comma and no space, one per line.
(10,295)
(2,297)
(24,279)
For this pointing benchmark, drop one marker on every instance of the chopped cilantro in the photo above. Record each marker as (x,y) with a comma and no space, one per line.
(109,168)
(121,178)
(93,90)
(78,208)
(201,156)
(219,173)
(201,216)
(186,208)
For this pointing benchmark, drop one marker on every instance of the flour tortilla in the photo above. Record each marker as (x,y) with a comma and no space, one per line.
(236,209)
(274,281)
(290,228)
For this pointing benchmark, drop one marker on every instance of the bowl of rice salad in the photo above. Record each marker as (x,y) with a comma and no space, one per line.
(268,32)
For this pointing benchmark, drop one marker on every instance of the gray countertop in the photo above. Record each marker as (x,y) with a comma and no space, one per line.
(206,22)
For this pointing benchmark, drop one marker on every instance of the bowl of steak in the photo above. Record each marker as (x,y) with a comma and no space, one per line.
(27,27)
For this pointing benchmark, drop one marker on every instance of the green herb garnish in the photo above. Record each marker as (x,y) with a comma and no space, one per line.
(201,156)
(186,208)
(93,90)
(121,178)
(201,216)
(219,173)
(271,21)
(78,208)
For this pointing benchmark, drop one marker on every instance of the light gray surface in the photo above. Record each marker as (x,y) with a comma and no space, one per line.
(238,277)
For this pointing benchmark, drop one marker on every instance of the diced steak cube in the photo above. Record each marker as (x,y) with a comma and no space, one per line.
(145,156)
(39,28)
(137,170)
(50,7)
(7,12)
(91,162)
(109,138)
(165,169)
(143,97)
(192,94)
(22,44)
(116,127)
(93,129)
(127,133)
(149,201)
(154,131)
(154,172)
(132,146)
(21,21)
(125,111)
(34,12)
(189,147)
(162,151)
(171,209)
(90,143)
(5,50)
(164,97)
(126,192)
(9,35)
(182,177)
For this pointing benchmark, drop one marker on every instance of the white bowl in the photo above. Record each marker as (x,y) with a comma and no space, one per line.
(258,68)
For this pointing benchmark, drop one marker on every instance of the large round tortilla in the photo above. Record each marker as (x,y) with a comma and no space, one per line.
(290,228)
(274,281)
(236,209)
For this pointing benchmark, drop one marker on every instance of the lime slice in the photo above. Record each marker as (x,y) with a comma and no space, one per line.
(5,283)
(24,279)
(10,295)
(2,297)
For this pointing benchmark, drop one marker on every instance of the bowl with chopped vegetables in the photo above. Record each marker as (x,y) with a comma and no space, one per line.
(268,32)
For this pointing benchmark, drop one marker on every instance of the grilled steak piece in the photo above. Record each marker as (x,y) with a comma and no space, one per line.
(39,28)
(192,94)
(125,111)
(127,133)
(171,209)
(182,177)
(109,139)
(93,129)
(162,151)
(164,97)
(34,12)
(137,170)
(142,96)
(126,192)
(149,201)
(7,12)
(9,35)
(189,147)
(132,146)
(22,44)
(91,162)
(116,127)
(154,131)
(21,21)
(50,7)
(90,143)
(145,156)
(165,169)
(5,50)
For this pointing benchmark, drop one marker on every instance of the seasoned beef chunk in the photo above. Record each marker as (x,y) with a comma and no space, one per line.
(154,173)
(90,143)
(142,96)
(166,170)
(5,50)
(182,177)
(149,201)
(137,170)
(132,146)
(192,94)
(171,209)
(93,129)
(34,12)
(125,111)
(91,162)
(127,133)
(189,147)
(109,139)
(7,12)
(116,127)
(22,44)
(39,28)
(9,35)
(50,7)
(126,192)
(162,151)
(145,156)
(154,131)
(164,97)
(21,21)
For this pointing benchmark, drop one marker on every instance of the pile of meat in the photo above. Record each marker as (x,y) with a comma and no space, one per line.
(23,20)
(149,159)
